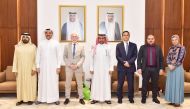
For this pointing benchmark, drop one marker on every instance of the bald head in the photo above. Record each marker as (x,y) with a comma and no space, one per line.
(74,37)
(150,39)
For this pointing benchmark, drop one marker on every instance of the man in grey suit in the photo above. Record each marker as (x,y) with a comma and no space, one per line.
(110,27)
(74,57)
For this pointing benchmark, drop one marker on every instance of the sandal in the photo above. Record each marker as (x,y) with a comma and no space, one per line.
(108,102)
(94,102)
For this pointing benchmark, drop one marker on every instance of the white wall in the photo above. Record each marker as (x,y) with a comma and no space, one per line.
(134,20)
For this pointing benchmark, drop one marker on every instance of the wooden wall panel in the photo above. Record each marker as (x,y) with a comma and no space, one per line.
(33,13)
(153,19)
(12,14)
(8,29)
(173,21)
(153,13)
(0,51)
(173,14)
(187,14)
(187,46)
(8,14)
(3,11)
(24,7)
(28,8)
(8,26)
(8,42)
(186,35)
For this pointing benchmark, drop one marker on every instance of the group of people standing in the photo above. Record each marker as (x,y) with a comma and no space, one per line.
(46,62)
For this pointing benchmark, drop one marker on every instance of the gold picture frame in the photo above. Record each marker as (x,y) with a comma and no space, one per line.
(72,16)
(114,12)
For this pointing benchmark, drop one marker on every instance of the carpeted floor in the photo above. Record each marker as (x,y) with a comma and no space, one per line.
(8,102)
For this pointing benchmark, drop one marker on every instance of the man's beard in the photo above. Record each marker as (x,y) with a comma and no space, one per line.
(25,41)
(48,37)
(101,42)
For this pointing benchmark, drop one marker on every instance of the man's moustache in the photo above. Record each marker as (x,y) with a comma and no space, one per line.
(25,42)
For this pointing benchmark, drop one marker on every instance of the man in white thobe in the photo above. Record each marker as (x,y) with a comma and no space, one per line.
(48,67)
(101,69)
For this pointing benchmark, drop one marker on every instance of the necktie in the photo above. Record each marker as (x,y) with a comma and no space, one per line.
(151,58)
(74,47)
(126,49)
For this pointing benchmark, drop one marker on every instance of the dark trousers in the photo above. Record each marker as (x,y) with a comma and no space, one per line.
(130,80)
(153,74)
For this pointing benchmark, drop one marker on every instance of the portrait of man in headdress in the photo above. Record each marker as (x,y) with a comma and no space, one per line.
(110,22)
(72,21)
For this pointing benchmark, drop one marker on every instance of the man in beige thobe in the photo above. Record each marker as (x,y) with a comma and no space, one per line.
(25,70)
(74,58)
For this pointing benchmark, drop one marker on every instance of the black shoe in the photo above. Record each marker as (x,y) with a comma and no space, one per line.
(66,101)
(37,102)
(156,100)
(81,101)
(171,103)
(120,101)
(19,103)
(30,102)
(94,102)
(143,101)
(57,102)
(108,102)
(176,105)
(131,100)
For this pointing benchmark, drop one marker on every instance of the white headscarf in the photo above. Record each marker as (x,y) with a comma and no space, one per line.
(74,27)
(110,27)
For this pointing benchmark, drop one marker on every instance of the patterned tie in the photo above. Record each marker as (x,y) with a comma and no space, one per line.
(126,49)
(74,47)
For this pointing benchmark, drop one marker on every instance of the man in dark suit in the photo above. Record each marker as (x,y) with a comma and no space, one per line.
(126,54)
(149,64)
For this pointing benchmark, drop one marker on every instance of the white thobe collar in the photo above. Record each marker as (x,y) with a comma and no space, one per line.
(48,40)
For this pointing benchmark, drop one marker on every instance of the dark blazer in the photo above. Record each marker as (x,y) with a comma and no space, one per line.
(142,58)
(130,57)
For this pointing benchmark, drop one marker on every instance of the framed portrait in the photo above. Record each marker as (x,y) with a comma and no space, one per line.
(111,21)
(72,19)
